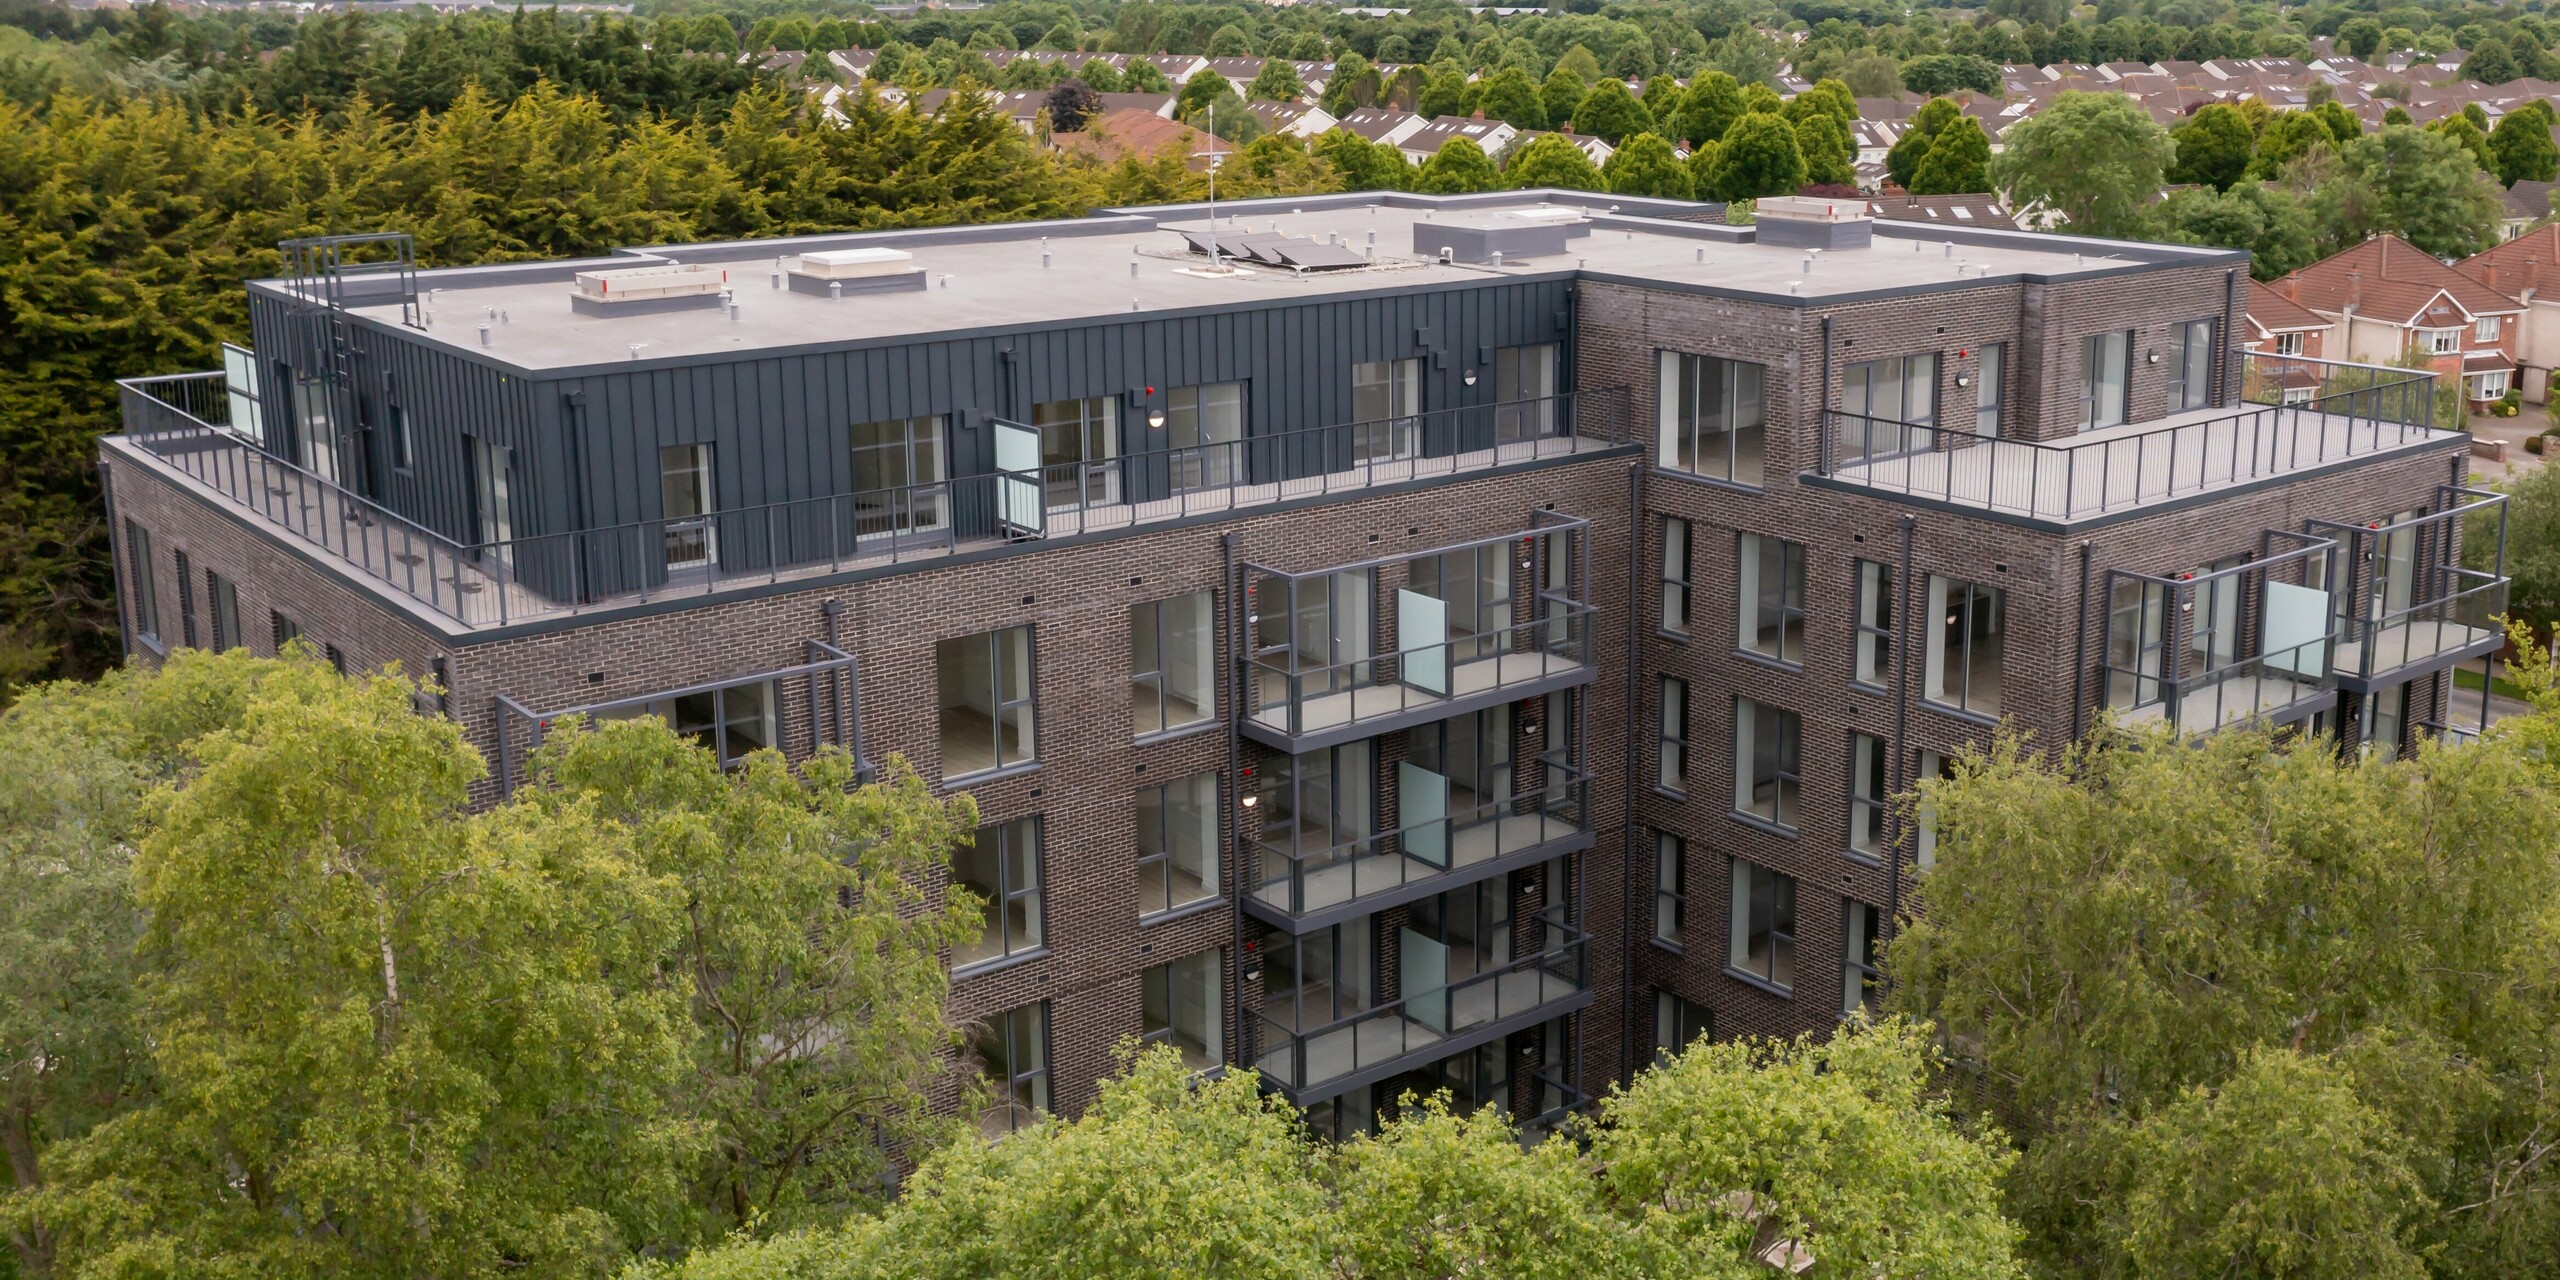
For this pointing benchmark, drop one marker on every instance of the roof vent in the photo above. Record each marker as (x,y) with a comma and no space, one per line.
(623,291)
(1813,222)
(841,273)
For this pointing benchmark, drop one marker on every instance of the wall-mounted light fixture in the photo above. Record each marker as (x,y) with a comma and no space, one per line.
(1469,377)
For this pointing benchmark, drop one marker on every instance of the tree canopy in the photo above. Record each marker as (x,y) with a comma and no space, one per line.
(1551,160)
(1958,161)
(1759,156)
(1646,166)
(2094,158)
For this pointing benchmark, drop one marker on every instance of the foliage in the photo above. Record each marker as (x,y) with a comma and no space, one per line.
(1610,113)
(1458,167)
(1436,1194)
(2094,158)
(2532,546)
(1277,82)
(1562,94)
(2287,138)
(1903,161)
(2422,186)
(1509,95)
(1938,73)
(1361,164)
(2521,145)
(1746,55)
(1959,161)
(2212,147)
(2469,136)
(1646,166)
(1713,103)
(1070,104)
(1829,156)
(2270,222)
(1447,92)
(1829,97)
(1759,156)
(1551,160)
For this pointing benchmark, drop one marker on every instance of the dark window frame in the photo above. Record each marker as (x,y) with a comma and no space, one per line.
(999,904)
(1791,586)
(1679,575)
(1874,638)
(1871,809)
(1004,702)
(1013,1080)
(1786,765)
(1858,958)
(1672,738)
(1153,614)
(1670,889)
(146,585)
(1748,879)
(1159,862)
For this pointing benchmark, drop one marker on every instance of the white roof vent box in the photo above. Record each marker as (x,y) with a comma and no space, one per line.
(834,273)
(1813,222)
(625,291)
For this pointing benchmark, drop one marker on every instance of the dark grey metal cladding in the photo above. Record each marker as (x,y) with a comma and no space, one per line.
(1808,233)
(1455,878)
(834,287)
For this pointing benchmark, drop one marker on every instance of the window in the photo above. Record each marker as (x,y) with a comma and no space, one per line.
(1870,795)
(2386,721)
(1675,575)
(282,630)
(1079,448)
(2440,342)
(1524,388)
(1672,765)
(1714,418)
(492,468)
(2191,381)
(1968,635)
(1874,660)
(1178,844)
(2486,329)
(1991,363)
(1013,1050)
(2288,344)
(1670,887)
(1204,426)
(1001,864)
(1858,978)
(1172,663)
(144,591)
(1888,407)
(1772,598)
(987,705)
(899,487)
(222,601)
(1385,397)
(2489,386)
(404,447)
(1678,1023)
(2104,358)
(1763,938)
(186,602)
(1924,817)
(336,656)
(1182,1007)
(1765,763)
(731,722)
(684,496)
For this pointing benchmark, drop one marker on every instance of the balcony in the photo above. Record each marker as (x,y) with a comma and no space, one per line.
(181,427)
(1316,1061)
(1514,625)
(730,718)
(1306,877)
(2311,414)
(2407,605)
(2249,643)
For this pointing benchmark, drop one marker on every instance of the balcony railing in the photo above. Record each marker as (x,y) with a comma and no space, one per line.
(2250,643)
(1407,1032)
(2348,411)
(1422,858)
(1360,696)
(181,422)
(2407,603)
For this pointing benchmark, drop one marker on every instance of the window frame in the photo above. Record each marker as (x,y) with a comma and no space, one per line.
(696,532)
(1672,735)
(713,734)
(1157,988)
(282,629)
(2191,377)
(1034,1017)
(1990,397)
(1953,643)
(1786,773)
(1162,860)
(922,505)
(1670,890)
(2288,344)
(1858,971)
(1679,1023)
(1084,476)
(222,611)
(1208,462)
(1748,878)
(1397,434)
(1145,612)
(1751,560)
(404,446)
(2488,328)
(1679,572)
(1680,378)
(186,598)
(1005,706)
(146,585)
(1871,808)
(2094,416)
(1915,429)
(1873,638)
(2440,342)
(999,905)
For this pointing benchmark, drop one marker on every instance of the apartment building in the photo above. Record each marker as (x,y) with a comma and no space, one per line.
(1395,642)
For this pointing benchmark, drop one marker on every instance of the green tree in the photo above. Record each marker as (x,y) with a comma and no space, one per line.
(1610,113)
(2422,186)
(2212,147)
(1362,164)
(1872,75)
(1562,92)
(1509,95)
(2270,222)
(1551,160)
(1646,166)
(1447,92)
(1829,156)
(1434,1194)
(1903,160)
(1458,167)
(1746,55)
(2468,136)
(1958,163)
(1584,65)
(1277,82)
(1229,41)
(2522,146)
(2287,138)
(1201,90)
(1941,73)
(1354,85)
(2532,547)
(2342,123)
(2491,62)
(1830,97)
(1759,156)
(2396,114)
(2094,158)
(1712,104)
(2359,37)
(1144,77)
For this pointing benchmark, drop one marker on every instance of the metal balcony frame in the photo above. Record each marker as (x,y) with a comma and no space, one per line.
(2437,573)
(2309,557)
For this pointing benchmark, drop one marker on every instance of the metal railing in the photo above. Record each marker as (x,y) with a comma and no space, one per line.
(1391,860)
(181,421)
(1411,1025)
(2195,649)
(2340,417)
(2444,607)
(2464,619)
(1292,699)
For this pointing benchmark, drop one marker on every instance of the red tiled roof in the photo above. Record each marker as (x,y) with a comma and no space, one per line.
(2520,263)
(2395,283)
(1130,131)
(2272,312)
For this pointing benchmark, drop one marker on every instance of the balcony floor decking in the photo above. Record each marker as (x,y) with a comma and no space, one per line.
(1351,879)
(2409,644)
(1328,711)
(2127,467)
(1374,1041)
(2231,702)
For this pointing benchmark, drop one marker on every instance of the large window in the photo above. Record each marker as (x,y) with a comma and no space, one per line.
(899,485)
(1204,426)
(404,446)
(987,711)
(1873,664)
(1924,816)
(1988,390)
(1859,982)
(222,602)
(730,722)
(2289,344)
(2386,722)
(1172,667)
(1772,598)
(1524,386)
(2440,342)
(1670,887)
(145,591)
(1870,795)
(684,494)
(1182,1007)
(1672,761)
(1012,1048)
(1714,418)
(1178,844)
(1766,762)
(1968,634)
(1079,450)
(1763,937)
(1675,575)
(1678,1023)
(2104,358)
(2191,383)
(1001,865)
(1386,396)
(1888,406)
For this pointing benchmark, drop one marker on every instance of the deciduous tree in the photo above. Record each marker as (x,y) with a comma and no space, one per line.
(1759,156)
(2094,158)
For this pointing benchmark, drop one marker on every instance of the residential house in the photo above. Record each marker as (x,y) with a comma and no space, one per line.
(2388,300)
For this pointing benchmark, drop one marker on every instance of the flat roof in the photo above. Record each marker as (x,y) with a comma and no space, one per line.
(992,277)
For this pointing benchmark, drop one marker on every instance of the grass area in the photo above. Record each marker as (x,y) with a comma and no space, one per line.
(2467,678)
